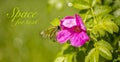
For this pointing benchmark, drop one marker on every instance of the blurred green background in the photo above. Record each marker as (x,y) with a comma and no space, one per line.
(22,42)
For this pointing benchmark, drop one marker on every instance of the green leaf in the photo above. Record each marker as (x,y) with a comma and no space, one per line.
(107,27)
(69,58)
(99,30)
(110,27)
(104,52)
(115,28)
(69,50)
(80,6)
(95,56)
(65,58)
(59,59)
(55,22)
(118,57)
(93,2)
(65,47)
(107,17)
(88,57)
(74,58)
(117,20)
(104,25)
(102,10)
(107,2)
(104,44)
(116,4)
(80,56)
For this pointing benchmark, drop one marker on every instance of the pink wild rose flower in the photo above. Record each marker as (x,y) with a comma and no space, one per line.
(72,29)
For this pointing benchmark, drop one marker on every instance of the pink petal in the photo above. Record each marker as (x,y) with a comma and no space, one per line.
(63,36)
(84,36)
(80,22)
(79,39)
(69,17)
(69,23)
(75,40)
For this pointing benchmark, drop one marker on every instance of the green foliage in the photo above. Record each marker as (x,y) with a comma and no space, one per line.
(80,56)
(80,6)
(104,44)
(55,22)
(93,56)
(67,54)
(107,2)
(117,20)
(102,48)
(102,20)
(60,59)
(104,52)
(116,4)
(65,58)
(104,25)
(102,10)
(84,4)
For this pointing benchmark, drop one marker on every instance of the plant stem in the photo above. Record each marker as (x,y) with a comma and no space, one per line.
(86,16)
(93,15)
(95,40)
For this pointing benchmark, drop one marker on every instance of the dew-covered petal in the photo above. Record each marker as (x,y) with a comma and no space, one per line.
(79,39)
(63,36)
(80,22)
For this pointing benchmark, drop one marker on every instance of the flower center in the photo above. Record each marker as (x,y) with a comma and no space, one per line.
(76,29)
